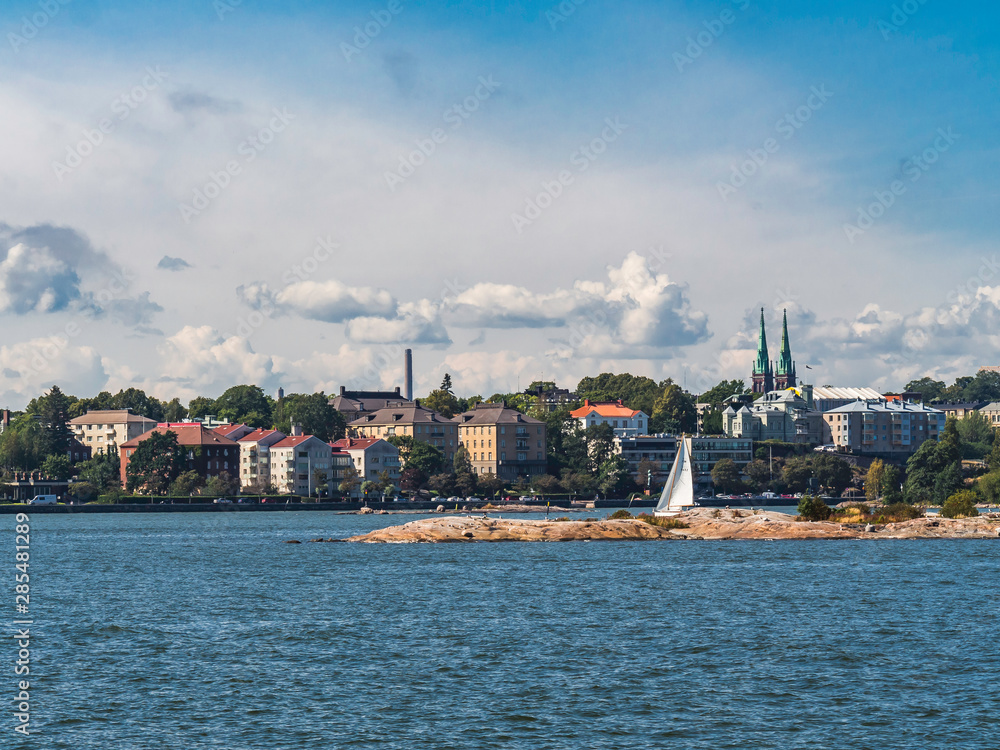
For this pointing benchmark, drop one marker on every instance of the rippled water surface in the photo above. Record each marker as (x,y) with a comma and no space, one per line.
(207,631)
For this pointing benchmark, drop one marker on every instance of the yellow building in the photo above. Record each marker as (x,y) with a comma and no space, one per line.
(425,425)
(104,429)
(503,441)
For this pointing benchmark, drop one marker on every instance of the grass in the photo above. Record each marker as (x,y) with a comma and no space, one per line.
(663,523)
(864,513)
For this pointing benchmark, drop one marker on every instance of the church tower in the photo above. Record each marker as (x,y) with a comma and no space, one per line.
(784,374)
(763,377)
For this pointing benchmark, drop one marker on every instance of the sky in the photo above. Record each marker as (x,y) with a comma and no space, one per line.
(200,194)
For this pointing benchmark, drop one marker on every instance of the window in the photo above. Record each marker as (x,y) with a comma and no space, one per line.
(503,456)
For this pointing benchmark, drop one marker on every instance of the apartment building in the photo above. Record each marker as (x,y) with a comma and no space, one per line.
(419,422)
(882,428)
(502,441)
(371,456)
(255,457)
(705,453)
(301,465)
(105,429)
(204,451)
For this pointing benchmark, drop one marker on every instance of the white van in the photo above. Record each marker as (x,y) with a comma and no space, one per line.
(43,500)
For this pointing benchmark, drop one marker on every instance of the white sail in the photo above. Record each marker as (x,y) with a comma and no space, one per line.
(678,492)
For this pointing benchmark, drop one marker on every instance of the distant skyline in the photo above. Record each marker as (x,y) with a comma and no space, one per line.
(212,193)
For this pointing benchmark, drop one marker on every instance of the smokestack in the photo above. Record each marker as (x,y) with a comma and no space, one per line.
(296,429)
(408,374)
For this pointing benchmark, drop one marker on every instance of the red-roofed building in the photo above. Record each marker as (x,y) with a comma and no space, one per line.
(371,456)
(255,458)
(624,421)
(205,451)
(301,465)
(233,431)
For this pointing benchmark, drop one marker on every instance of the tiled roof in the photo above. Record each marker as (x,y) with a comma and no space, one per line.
(884,406)
(294,440)
(188,433)
(109,416)
(228,429)
(355,443)
(408,414)
(253,437)
(494,414)
(604,409)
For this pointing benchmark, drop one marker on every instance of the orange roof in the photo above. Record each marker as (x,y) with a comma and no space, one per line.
(604,409)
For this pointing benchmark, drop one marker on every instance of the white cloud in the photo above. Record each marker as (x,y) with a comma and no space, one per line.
(29,368)
(416,323)
(34,280)
(334,302)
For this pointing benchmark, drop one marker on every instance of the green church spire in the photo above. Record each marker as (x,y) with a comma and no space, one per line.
(763,364)
(785,366)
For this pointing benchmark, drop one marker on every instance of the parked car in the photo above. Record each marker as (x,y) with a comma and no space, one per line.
(43,500)
(222,501)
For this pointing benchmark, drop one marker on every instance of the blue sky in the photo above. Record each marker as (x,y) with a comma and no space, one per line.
(645,261)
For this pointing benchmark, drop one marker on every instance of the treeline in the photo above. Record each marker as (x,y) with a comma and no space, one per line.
(983,386)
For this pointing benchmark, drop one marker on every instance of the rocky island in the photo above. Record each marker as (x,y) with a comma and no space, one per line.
(699,523)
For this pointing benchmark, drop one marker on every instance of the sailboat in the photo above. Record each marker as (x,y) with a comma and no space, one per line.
(678,492)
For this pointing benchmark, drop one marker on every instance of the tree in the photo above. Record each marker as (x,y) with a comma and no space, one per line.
(103,470)
(635,392)
(154,463)
(57,466)
(24,444)
(446,384)
(411,479)
(961,504)
(186,483)
(674,410)
(443,484)
(490,485)
(600,439)
(578,483)
(649,473)
(759,473)
(891,491)
(404,444)
(614,478)
(874,480)
(350,481)
(546,484)
(726,477)
(813,508)
(368,487)
(314,414)
(442,402)
(426,457)
(245,404)
(53,412)
(717,395)
(976,434)
(993,459)
(711,422)
(174,411)
(929,388)
(201,407)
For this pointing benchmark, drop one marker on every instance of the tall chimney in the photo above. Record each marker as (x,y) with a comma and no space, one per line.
(296,429)
(408,374)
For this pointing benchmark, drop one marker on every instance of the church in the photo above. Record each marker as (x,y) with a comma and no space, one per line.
(769,376)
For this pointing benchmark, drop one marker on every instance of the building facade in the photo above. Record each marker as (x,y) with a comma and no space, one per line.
(301,465)
(255,457)
(420,423)
(662,449)
(108,429)
(778,415)
(502,441)
(621,419)
(353,404)
(371,457)
(882,428)
(203,451)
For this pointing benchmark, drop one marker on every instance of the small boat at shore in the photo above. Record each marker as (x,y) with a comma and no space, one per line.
(678,492)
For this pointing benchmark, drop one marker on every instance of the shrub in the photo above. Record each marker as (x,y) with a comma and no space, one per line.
(619,514)
(960,505)
(664,523)
(813,508)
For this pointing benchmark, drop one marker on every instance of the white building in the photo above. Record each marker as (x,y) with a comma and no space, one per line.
(105,429)
(882,428)
(371,456)
(301,464)
(255,456)
(624,421)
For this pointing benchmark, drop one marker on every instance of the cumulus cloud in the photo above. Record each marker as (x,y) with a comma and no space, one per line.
(201,357)
(416,323)
(635,313)
(334,302)
(29,368)
(34,280)
(172,264)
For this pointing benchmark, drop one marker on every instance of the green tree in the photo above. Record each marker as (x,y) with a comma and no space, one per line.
(57,466)
(614,478)
(813,508)
(446,384)
(53,413)
(874,480)
(350,481)
(314,414)
(961,504)
(673,410)
(717,395)
(404,444)
(649,474)
(245,404)
(103,470)
(635,392)
(578,483)
(891,491)
(929,388)
(411,479)
(490,485)
(726,477)
(24,444)
(711,423)
(154,463)
(186,483)
(426,458)
(759,473)
(174,411)
(201,407)
(442,402)
(600,439)
(443,483)
(546,484)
